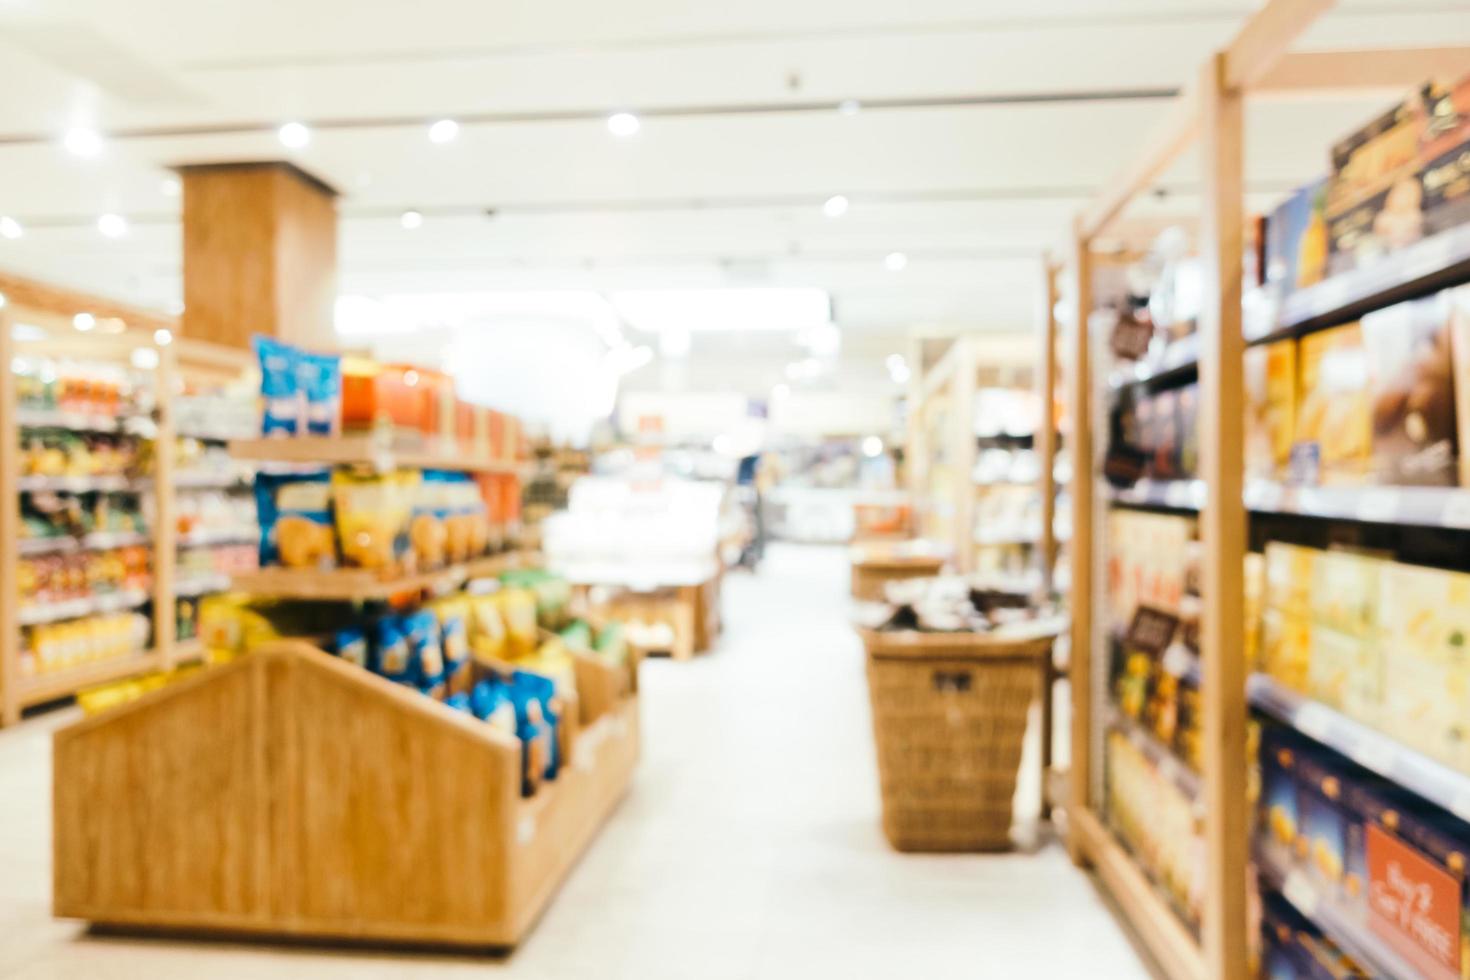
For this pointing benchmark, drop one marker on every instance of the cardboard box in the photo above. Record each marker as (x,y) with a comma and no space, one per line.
(1332,416)
(1270,392)
(1296,240)
(1411,392)
(1424,619)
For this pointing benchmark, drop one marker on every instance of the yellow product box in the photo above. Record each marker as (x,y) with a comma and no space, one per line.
(1345,591)
(1345,672)
(1333,421)
(1255,580)
(1270,396)
(1286,648)
(1290,576)
(1424,618)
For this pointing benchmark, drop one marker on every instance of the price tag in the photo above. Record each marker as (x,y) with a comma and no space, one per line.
(1301,893)
(1378,506)
(1313,721)
(1375,754)
(1456,511)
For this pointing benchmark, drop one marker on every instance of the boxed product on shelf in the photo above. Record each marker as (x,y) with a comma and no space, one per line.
(1293,948)
(56,578)
(1345,660)
(1459,313)
(1147,562)
(1158,821)
(1424,619)
(1333,424)
(62,646)
(63,452)
(1411,392)
(56,517)
(1270,397)
(1164,438)
(1296,239)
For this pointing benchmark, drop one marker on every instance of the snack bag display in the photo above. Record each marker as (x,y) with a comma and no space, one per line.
(392,654)
(487,630)
(320,381)
(1411,387)
(517,608)
(295,514)
(279,387)
(426,650)
(428,530)
(1270,395)
(372,514)
(1333,423)
(454,617)
(490,702)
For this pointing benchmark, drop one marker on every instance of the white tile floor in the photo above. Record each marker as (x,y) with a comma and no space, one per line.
(749,846)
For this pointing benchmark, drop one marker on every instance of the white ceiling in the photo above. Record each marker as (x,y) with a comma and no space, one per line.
(739,147)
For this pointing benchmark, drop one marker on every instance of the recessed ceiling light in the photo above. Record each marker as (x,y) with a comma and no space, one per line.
(163,337)
(443,131)
(895,261)
(411,220)
(84,321)
(112,225)
(835,206)
(82,141)
(872,447)
(170,187)
(10,228)
(849,107)
(623,124)
(293,135)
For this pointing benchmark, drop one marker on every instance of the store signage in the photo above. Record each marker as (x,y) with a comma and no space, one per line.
(1151,631)
(1414,904)
(1131,337)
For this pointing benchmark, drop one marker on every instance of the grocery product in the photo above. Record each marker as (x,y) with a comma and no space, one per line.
(1411,391)
(320,380)
(295,514)
(372,511)
(280,387)
(1270,396)
(1459,313)
(1424,619)
(1333,428)
(72,643)
(1158,821)
(517,608)
(1296,239)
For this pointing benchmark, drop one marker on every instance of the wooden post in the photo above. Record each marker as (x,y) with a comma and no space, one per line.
(165,509)
(962,455)
(1046,423)
(9,531)
(1079,404)
(916,461)
(1223,527)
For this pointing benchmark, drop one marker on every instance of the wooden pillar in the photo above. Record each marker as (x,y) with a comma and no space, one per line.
(165,511)
(964,449)
(1223,527)
(1046,423)
(9,534)
(260,254)
(1079,404)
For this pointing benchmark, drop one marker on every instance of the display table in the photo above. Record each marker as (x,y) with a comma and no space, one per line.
(290,794)
(682,595)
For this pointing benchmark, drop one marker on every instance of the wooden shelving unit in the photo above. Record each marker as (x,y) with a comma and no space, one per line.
(1209,114)
(296,820)
(364,585)
(374,451)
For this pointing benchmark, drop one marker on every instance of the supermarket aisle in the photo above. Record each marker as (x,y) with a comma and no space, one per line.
(748,848)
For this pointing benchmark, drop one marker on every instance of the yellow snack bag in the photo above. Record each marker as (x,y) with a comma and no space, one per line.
(372,512)
(487,629)
(518,610)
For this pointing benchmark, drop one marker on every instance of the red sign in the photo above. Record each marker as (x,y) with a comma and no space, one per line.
(1414,904)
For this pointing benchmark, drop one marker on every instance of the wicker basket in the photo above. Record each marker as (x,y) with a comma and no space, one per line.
(872,568)
(949,719)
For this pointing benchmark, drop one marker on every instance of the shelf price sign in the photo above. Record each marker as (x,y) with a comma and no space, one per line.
(1414,905)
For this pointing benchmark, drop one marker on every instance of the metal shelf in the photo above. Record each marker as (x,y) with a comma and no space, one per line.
(1447,507)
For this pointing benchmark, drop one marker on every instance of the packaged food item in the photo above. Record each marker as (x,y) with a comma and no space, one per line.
(517,608)
(1333,423)
(280,389)
(553,593)
(487,630)
(1296,240)
(1187,411)
(1165,440)
(490,702)
(1424,617)
(1270,394)
(381,397)
(1346,667)
(392,652)
(320,381)
(1411,390)
(454,618)
(351,644)
(428,530)
(426,649)
(372,513)
(295,514)
(577,635)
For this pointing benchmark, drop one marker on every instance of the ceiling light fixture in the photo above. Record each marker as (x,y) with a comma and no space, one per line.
(293,135)
(10,228)
(835,206)
(84,321)
(623,124)
(411,220)
(895,261)
(872,447)
(849,107)
(82,142)
(444,131)
(112,225)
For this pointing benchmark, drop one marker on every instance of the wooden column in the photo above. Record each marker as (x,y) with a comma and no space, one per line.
(1223,527)
(260,254)
(1079,404)
(9,533)
(165,511)
(1046,423)
(965,449)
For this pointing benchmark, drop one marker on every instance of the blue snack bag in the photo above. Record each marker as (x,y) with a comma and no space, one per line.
(350,643)
(425,646)
(319,378)
(295,515)
(533,694)
(279,386)
(459,702)
(392,654)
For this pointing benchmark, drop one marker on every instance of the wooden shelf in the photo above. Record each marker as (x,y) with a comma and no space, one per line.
(80,484)
(1164,759)
(55,612)
(367,450)
(53,685)
(295,814)
(96,541)
(1154,922)
(363,585)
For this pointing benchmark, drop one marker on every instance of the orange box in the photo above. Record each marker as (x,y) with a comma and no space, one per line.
(438,403)
(497,435)
(375,395)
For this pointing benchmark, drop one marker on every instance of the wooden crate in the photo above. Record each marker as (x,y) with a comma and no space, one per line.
(874,568)
(289,794)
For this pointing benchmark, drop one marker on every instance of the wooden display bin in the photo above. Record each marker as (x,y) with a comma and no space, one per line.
(289,794)
(872,568)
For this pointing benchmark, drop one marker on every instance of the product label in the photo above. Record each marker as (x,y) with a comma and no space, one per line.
(1414,905)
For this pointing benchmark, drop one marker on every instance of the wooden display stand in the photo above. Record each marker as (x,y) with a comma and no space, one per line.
(875,567)
(691,611)
(290,794)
